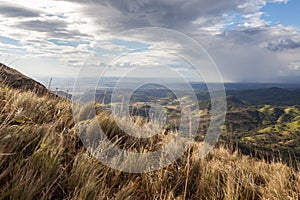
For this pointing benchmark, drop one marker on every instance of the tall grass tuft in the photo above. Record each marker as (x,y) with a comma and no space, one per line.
(41,157)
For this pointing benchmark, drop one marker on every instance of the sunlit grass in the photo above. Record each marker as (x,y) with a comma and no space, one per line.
(41,157)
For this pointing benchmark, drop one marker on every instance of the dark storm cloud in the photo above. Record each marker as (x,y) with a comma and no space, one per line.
(16,11)
(53,28)
(241,54)
(176,14)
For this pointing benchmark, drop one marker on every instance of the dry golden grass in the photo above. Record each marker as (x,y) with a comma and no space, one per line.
(41,157)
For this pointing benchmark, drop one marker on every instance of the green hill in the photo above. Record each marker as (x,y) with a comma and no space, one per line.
(265,130)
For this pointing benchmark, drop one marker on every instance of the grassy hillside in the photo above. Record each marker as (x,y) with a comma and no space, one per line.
(15,79)
(41,157)
(266,130)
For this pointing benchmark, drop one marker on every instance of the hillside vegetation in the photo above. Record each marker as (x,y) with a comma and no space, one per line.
(15,79)
(266,130)
(41,157)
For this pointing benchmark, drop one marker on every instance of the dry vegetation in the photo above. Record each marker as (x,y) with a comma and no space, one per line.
(41,157)
(15,79)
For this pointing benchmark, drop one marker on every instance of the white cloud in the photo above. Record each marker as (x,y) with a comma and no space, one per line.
(245,47)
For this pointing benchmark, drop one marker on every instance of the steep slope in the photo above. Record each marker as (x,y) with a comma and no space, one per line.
(14,79)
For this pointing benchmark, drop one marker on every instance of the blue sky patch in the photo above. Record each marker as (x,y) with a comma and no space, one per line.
(6,40)
(286,14)
(67,43)
(130,44)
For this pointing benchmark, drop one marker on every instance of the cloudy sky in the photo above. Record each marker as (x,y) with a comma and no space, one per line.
(249,40)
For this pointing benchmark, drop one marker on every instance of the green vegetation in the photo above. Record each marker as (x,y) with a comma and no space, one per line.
(41,157)
(282,128)
(266,130)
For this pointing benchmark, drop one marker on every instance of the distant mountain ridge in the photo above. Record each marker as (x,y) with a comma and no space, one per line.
(234,102)
(271,96)
(14,79)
